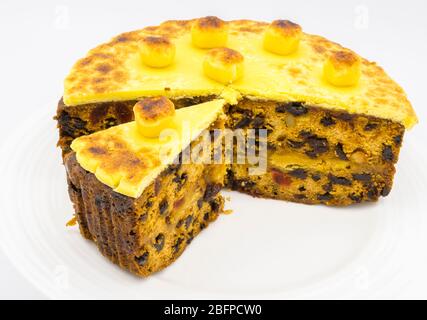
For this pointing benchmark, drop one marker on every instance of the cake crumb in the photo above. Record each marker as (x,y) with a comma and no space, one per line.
(72,222)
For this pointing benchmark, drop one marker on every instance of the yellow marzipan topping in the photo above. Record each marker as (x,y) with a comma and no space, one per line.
(114,71)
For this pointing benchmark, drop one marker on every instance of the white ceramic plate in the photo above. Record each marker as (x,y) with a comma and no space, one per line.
(265,249)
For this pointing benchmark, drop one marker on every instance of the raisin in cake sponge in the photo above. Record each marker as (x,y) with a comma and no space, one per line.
(133,194)
(329,113)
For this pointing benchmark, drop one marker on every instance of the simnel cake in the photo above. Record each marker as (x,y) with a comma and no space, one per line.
(323,126)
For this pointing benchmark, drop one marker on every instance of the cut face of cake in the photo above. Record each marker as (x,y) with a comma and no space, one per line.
(318,155)
(137,197)
(328,129)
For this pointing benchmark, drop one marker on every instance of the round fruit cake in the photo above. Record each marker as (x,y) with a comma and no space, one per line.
(319,125)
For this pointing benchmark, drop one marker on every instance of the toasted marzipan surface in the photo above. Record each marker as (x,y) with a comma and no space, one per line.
(113,71)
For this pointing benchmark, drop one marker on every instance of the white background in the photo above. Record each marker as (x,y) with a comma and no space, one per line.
(40,40)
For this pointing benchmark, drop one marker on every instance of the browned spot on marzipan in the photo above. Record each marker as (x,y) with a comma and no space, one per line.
(344,58)
(97,150)
(210,22)
(104,68)
(319,48)
(286,27)
(154,108)
(226,55)
(156,41)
